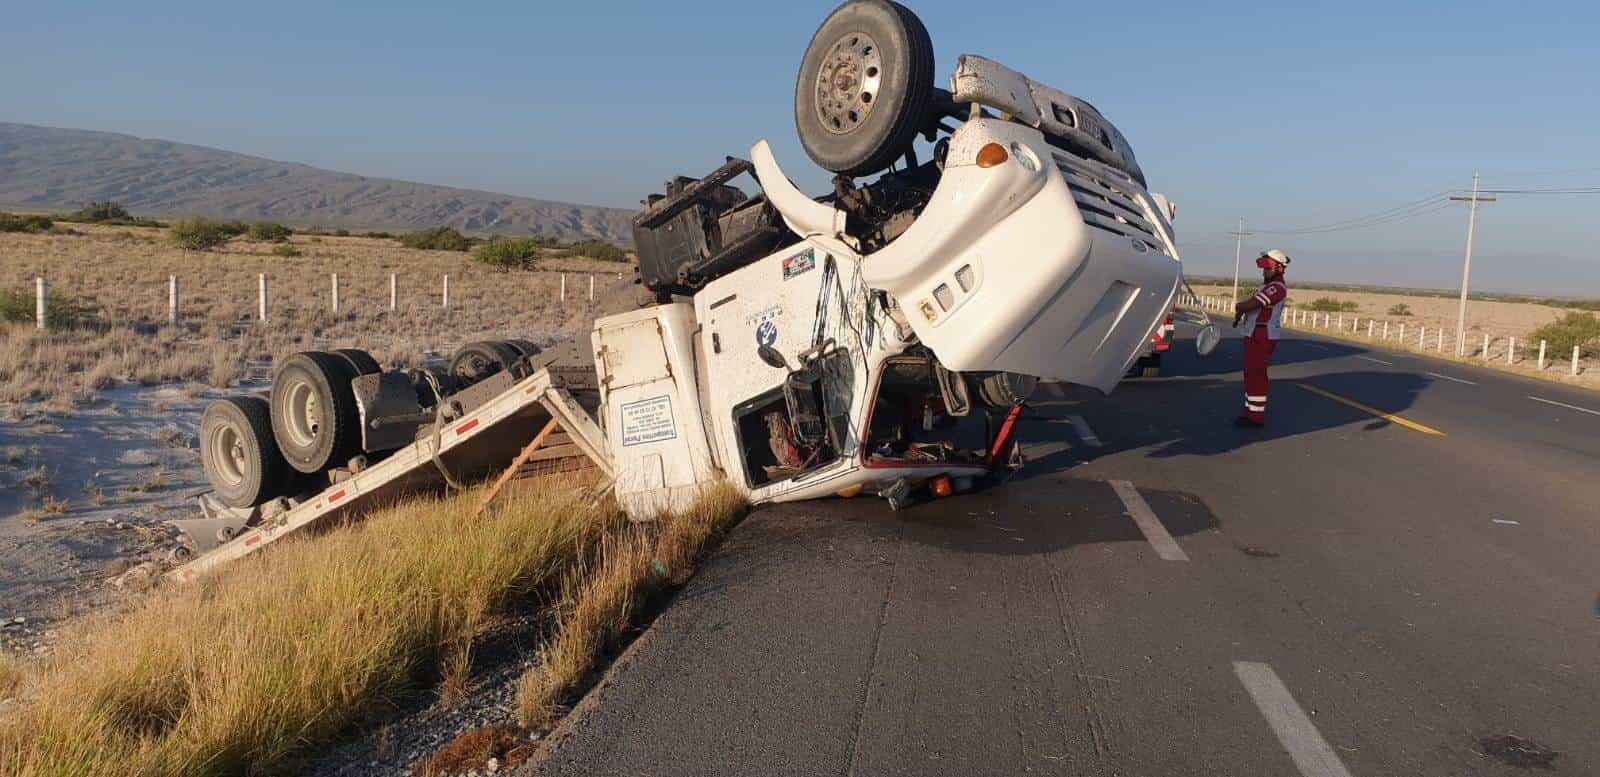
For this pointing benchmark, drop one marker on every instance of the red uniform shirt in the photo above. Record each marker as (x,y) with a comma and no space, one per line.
(1271,296)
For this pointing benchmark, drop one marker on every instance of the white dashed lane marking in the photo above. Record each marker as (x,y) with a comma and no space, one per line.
(1447,377)
(1309,751)
(1370,359)
(1165,547)
(1565,405)
(1084,432)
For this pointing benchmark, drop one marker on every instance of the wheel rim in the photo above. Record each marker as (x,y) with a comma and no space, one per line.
(302,419)
(848,82)
(227,454)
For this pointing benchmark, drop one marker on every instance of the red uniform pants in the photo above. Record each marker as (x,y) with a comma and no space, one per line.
(1257,353)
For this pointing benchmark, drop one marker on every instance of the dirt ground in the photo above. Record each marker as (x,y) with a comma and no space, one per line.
(98,423)
(1500,320)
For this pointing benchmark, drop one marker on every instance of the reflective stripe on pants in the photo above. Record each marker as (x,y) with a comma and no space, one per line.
(1257,353)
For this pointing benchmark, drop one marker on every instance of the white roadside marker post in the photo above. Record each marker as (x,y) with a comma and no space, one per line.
(335,292)
(1369,328)
(1511,350)
(1341,322)
(261,297)
(40,303)
(1541,355)
(1574,360)
(1441,339)
(1485,353)
(1386,330)
(172,299)
(394,292)
(591,287)
(563,287)
(1401,337)
(446,292)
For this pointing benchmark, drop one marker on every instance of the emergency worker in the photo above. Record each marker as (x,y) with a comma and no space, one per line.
(1259,315)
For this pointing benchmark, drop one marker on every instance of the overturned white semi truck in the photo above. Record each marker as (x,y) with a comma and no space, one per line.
(877,340)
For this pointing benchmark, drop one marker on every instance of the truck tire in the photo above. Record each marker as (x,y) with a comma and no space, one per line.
(314,416)
(360,361)
(475,361)
(865,86)
(238,453)
(1000,390)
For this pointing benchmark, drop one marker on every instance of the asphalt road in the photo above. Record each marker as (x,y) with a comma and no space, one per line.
(1345,592)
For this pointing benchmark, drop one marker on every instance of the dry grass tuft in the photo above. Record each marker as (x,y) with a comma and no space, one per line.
(600,598)
(506,745)
(248,669)
(13,675)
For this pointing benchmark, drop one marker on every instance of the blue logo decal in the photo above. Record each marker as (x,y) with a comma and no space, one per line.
(767,333)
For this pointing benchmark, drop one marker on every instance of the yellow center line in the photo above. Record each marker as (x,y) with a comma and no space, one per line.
(1409,424)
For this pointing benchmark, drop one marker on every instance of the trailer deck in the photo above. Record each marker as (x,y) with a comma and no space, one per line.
(479,442)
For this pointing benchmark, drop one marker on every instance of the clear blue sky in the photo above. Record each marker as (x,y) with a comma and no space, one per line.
(1284,114)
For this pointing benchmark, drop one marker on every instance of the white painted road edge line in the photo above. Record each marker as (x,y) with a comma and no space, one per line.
(1305,744)
(1082,428)
(1565,405)
(1447,377)
(1370,359)
(1165,547)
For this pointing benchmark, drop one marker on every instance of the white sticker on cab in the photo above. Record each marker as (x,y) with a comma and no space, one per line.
(648,420)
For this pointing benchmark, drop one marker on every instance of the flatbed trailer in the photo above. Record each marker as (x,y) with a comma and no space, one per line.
(487,438)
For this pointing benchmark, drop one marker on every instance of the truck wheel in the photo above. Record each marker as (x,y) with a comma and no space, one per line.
(360,361)
(238,453)
(865,86)
(1004,389)
(314,416)
(475,361)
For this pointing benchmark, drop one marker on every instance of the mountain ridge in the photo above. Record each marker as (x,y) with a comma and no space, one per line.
(57,168)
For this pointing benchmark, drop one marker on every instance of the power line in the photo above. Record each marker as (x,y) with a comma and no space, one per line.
(1399,212)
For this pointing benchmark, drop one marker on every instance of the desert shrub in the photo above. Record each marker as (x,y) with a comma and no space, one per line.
(62,311)
(109,210)
(1573,329)
(270,231)
(597,249)
(341,233)
(508,252)
(12,222)
(440,239)
(379,235)
(1331,305)
(199,233)
(1402,309)
(234,227)
(285,250)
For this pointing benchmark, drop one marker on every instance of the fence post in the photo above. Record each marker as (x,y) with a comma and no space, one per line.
(172,299)
(1541,355)
(261,297)
(40,302)
(447,291)
(1485,346)
(1511,350)
(1441,339)
(1370,323)
(394,292)
(336,292)
(1574,360)
(1386,330)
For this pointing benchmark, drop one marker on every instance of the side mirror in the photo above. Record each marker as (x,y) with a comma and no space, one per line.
(1205,341)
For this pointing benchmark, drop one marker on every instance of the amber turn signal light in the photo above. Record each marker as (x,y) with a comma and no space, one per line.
(992,154)
(941,485)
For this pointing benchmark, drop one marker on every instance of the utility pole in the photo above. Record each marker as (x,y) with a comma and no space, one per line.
(1238,250)
(1466,267)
